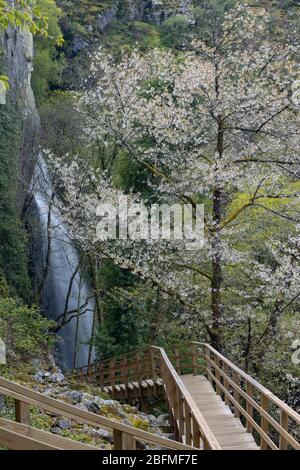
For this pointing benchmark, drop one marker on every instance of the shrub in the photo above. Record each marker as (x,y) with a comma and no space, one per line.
(24,331)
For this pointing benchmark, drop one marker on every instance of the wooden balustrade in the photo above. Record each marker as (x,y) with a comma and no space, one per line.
(188,421)
(125,437)
(273,424)
(127,369)
(279,429)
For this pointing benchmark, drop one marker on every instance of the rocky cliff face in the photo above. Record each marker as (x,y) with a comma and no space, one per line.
(17,64)
(152,11)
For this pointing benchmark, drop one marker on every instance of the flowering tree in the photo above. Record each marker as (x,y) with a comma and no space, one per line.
(214,125)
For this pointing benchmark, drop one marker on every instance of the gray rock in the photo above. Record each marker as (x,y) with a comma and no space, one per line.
(79,44)
(55,430)
(63,424)
(102,434)
(110,403)
(57,378)
(76,396)
(2,403)
(93,407)
(40,377)
(163,420)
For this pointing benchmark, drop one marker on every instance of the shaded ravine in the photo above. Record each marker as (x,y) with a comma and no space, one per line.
(65,294)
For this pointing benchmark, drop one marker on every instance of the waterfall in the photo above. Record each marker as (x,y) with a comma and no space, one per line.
(65,289)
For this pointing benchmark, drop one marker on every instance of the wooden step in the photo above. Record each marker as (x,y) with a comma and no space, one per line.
(227,429)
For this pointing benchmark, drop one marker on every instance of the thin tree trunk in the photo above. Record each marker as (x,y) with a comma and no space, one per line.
(217,278)
(41,285)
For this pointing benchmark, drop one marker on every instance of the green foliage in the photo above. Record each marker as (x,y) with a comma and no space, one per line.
(24,331)
(4,289)
(124,36)
(49,63)
(176,32)
(209,15)
(119,331)
(13,258)
(23,14)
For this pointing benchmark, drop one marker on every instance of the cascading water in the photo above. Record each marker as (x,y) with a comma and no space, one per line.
(66,295)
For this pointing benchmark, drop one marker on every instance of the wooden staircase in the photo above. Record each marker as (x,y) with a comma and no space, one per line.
(21,435)
(213,404)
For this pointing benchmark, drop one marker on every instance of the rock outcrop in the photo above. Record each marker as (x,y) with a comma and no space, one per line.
(17,63)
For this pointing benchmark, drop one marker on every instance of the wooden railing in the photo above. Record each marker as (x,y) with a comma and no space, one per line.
(124,437)
(189,424)
(272,422)
(126,369)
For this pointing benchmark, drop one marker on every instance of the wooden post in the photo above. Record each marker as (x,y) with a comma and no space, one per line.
(226,383)
(249,407)
(188,424)
(139,375)
(178,362)
(123,441)
(194,358)
(218,375)
(208,363)
(101,377)
(180,414)
(284,422)
(22,412)
(112,376)
(196,434)
(154,372)
(236,394)
(264,423)
(125,376)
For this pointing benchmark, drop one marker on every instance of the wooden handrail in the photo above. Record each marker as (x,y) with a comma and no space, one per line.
(125,437)
(183,407)
(232,384)
(249,400)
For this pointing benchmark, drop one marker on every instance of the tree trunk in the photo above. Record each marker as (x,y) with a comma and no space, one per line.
(217,278)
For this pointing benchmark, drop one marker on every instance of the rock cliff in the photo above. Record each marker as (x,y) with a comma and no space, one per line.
(17,63)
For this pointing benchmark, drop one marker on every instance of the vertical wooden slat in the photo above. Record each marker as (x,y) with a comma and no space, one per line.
(188,424)
(100,371)
(178,362)
(139,373)
(22,412)
(218,375)
(249,407)
(236,394)
(226,383)
(125,376)
(118,439)
(154,371)
(128,442)
(284,422)
(180,414)
(196,434)
(264,423)
(194,358)
(112,376)
(208,364)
